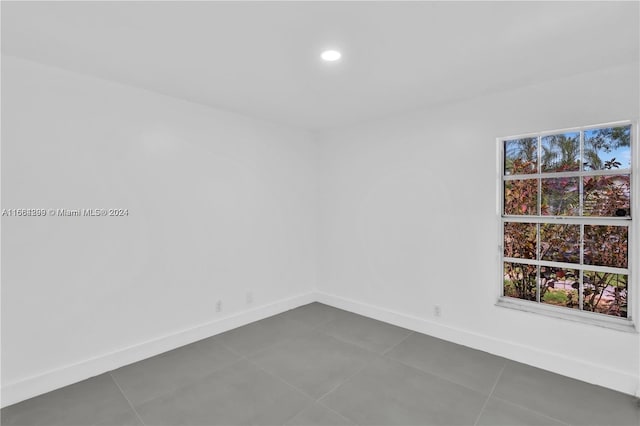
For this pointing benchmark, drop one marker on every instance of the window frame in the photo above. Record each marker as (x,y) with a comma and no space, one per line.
(585,317)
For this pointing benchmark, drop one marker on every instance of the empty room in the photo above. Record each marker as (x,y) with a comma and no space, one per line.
(320,213)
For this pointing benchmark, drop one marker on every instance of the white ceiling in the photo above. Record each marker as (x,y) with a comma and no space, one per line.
(262,58)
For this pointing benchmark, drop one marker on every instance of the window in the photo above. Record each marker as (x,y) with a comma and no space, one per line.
(566,222)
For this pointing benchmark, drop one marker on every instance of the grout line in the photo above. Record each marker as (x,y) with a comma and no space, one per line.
(493,388)
(434,373)
(347,342)
(356,344)
(295,388)
(334,411)
(281,380)
(169,391)
(230,349)
(278,343)
(270,345)
(186,385)
(531,411)
(257,351)
(295,414)
(343,340)
(314,326)
(393,346)
(351,376)
(127,399)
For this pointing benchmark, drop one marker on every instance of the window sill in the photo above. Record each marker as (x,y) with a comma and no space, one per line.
(599,320)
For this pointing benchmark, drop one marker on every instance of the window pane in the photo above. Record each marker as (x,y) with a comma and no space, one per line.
(560,243)
(521,197)
(608,148)
(560,197)
(520,281)
(560,287)
(561,153)
(605,293)
(607,196)
(606,245)
(520,240)
(521,156)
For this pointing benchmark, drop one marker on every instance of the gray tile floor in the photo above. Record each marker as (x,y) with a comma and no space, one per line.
(318,365)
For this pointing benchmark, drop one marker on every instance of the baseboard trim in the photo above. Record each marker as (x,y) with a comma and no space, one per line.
(54,379)
(561,364)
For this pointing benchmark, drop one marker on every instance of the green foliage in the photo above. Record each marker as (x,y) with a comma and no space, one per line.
(521,281)
(604,196)
(520,240)
(556,298)
(521,156)
(561,153)
(604,140)
(560,197)
(605,293)
(559,242)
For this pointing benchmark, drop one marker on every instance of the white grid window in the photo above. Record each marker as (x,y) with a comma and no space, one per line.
(566,221)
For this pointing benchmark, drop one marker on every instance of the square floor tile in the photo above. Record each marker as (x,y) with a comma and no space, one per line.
(163,373)
(371,334)
(387,392)
(468,367)
(565,399)
(128,418)
(261,334)
(318,415)
(240,394)
(503,413)
(314,314)
(364,371)
(96,401)
(314,363)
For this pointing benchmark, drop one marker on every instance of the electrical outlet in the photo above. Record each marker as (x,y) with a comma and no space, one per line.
(249,298)
(219,306)
(437,310)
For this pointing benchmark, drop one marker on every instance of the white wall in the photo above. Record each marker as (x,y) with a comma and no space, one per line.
(219,205)
(409,221)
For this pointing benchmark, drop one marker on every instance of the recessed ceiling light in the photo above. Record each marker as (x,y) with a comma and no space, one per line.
(330,55)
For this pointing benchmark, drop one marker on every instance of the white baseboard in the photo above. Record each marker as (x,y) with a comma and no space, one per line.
(555,362)
(561,364)
(69,374)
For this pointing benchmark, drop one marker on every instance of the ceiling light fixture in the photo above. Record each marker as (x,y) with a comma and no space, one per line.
(330,55)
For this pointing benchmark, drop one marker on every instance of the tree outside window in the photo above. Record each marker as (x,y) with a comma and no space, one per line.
(566,218)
